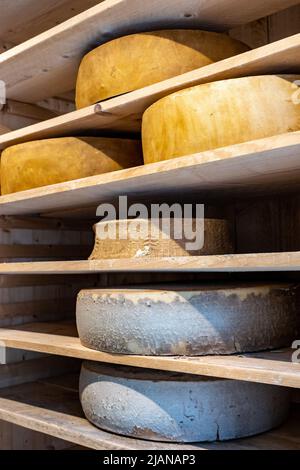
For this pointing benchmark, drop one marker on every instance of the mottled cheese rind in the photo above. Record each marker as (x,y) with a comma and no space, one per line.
(219,114)
(154,242)
(163,406)
(191,320)
(135,61)
(44,162)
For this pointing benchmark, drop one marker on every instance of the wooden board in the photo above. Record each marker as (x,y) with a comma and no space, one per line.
(52,407)
(24,19)
(47,64)
(257,166)
(61,339)
(13,437)
(252,262)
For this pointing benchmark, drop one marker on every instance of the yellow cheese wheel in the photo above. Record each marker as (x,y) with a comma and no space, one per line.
(132,62)
(44,162)
(218,114)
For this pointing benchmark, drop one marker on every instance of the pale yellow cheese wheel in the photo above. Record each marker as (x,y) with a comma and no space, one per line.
(135,61)
(44,162)
(219,114)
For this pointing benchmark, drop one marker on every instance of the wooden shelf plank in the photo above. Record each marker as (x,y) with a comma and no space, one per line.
(258,166)
(27,18)
(252,262)
(274,367)
(124,112)
(47,64)
(52,407)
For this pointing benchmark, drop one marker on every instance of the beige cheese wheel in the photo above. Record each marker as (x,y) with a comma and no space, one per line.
(218,114)
(192,320)
(166,406)
(44,162)
(121,243)
(135,61)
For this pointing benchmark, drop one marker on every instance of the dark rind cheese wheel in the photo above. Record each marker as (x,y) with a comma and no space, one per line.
(185,320)
(162,406)
(43,162)
(137,60)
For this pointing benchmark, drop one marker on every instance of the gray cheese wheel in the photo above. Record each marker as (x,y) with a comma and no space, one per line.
(185,320)
(162,406)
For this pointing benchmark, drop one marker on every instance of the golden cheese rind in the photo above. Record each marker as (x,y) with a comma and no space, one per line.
(135,61)
(44,162)
(219,114)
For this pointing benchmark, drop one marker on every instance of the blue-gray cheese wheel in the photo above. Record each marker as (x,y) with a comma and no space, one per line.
(162,406)
(189,320)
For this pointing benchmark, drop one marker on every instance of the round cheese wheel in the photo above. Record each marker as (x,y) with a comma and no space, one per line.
(189,320)
(44,162)
(144,238)
(218,114)
(135,61)
(164,406)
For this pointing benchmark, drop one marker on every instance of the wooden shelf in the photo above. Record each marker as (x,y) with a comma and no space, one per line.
(52,407)
(258,166)
(274,367)
(123,113)
(25,19)
(253,262)
(47,64)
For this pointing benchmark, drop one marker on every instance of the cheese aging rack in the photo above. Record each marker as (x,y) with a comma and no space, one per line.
(47,232)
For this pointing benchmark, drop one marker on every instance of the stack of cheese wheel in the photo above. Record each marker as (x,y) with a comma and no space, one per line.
(164,406)
(135,238)
(135,61)
(189,320)
(184,320)
(219,114)
(45,162)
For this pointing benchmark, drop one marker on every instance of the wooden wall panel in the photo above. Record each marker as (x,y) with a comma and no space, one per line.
(283,24)
(269,29)
(268,225)
(13,437)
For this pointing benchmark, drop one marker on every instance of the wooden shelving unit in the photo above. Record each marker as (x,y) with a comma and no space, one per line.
(45,66)
(52,407)
(63,46)
(124,112)
(253,262)
(274,367)
(264,165)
